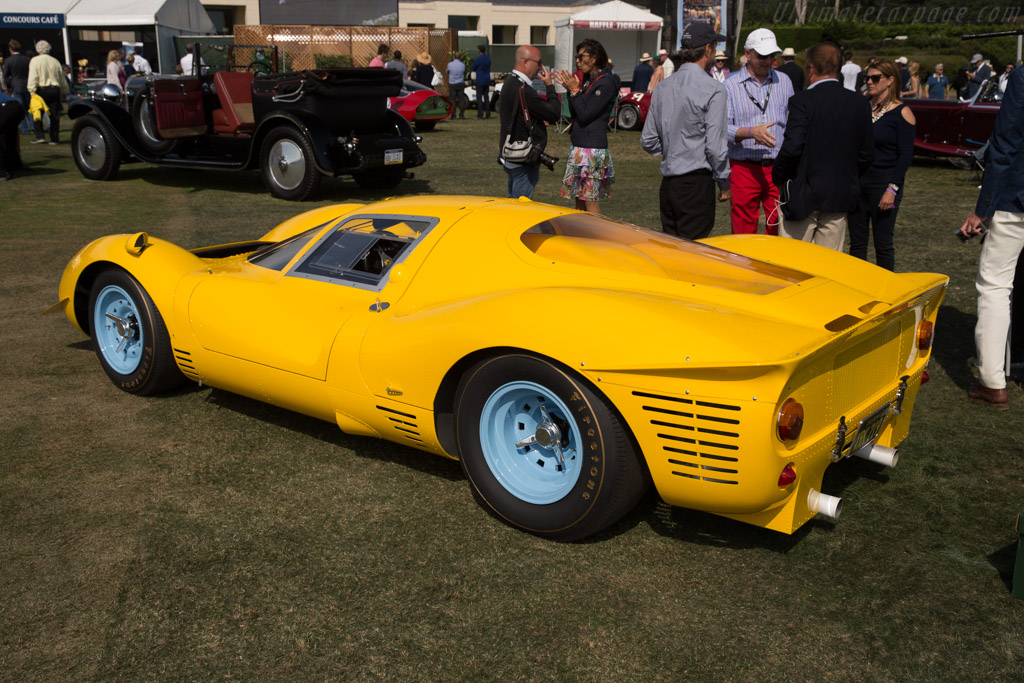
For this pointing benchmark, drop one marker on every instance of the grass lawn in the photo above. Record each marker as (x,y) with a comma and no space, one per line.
(206,536)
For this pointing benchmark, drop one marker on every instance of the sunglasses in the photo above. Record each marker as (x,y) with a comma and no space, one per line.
(582,55)
(875,78)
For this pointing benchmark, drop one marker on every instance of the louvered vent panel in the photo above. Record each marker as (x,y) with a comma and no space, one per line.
(700,438)
(184,360)
(406,424)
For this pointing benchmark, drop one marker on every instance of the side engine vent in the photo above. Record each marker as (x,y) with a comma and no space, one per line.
(184,360)
(701,438)
(406,424)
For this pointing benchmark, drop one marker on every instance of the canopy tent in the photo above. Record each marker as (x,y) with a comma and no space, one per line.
(625,31)
(168,17)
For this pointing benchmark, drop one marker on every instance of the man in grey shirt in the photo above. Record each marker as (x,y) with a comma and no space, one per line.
(686,125)
(397,64)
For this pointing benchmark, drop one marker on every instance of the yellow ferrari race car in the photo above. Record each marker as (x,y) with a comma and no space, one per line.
(566,359)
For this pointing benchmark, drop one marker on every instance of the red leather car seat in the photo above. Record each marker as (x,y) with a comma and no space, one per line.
(234,90)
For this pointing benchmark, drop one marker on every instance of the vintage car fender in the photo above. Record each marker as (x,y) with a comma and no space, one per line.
(117,119)
(318,134)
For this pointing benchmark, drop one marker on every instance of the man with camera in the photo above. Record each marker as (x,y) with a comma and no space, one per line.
(1001,206)
(523,113)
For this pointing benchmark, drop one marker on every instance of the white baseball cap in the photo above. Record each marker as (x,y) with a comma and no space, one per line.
(901,60)
(762,41)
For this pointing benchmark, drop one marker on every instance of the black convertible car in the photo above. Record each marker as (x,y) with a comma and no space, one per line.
(241,113)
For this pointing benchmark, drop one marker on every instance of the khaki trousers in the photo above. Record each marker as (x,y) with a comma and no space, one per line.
(827,229)
(996,268)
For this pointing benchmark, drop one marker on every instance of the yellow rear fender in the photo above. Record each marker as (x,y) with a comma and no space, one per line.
(307,220)
(158,265)
(863,276)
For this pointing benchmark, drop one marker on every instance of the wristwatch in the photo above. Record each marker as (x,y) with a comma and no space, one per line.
(894,187)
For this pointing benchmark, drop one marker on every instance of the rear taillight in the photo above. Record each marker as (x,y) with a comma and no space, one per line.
(791,420)
(925,334)
(925,377)
(788,476)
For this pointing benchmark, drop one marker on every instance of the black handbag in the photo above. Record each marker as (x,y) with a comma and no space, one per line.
(520,151)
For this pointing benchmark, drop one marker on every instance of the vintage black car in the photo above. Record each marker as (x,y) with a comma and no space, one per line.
(241,113)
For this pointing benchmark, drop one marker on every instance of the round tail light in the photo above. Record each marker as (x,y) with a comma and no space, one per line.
(791,420)
(925,334)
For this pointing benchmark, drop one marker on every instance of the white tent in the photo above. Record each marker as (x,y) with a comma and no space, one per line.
(169,17)
(625,31)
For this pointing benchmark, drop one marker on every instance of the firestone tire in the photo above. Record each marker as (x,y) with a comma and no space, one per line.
(628,118)
(287,164)
(129,336)
(96,151)
(144,125)
(577,476)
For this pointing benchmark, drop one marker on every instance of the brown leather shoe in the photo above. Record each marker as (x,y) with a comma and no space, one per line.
(993,398)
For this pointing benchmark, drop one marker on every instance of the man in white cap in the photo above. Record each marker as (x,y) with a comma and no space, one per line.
(981,73)
(904,72)
(642,73)
(757,96)
(667,65)
(792,69)
(686,126)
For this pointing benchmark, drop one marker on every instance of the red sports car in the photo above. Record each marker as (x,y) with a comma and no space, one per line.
(951,128)
(632,111)
(420,105)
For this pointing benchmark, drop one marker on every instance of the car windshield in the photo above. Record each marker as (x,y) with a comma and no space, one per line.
(588,239)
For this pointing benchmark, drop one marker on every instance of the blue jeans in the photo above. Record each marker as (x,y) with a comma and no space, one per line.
(25,98)
(522,180)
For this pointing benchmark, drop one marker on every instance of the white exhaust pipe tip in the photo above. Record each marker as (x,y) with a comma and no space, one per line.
(883,455)
(824,504)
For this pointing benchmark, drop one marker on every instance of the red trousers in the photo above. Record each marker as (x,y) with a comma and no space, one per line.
(752,189)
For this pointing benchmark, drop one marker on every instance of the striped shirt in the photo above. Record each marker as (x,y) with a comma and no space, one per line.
(746,98)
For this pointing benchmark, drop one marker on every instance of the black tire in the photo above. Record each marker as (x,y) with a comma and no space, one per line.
(628,117)
(287,164)
(144,125)
(465,102)
(603,478)
(380,179)
(96,151)
(494,101)
(131,321)
(424,125)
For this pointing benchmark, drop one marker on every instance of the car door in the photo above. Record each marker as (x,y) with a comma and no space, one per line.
(288,318)
(179,107)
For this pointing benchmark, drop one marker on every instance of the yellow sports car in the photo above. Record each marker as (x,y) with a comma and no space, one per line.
(566,359)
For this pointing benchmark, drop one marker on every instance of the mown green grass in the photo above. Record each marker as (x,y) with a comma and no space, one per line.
(202,535)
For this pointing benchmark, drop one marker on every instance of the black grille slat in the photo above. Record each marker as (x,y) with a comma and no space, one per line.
(705,459)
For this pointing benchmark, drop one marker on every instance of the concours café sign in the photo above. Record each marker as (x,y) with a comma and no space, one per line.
(18,20)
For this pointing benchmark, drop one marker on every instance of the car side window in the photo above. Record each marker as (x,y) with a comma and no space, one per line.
(277,256)
(362,250)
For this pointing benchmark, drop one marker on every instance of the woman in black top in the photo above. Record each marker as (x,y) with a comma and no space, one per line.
(424,72)
(881,186)
(589,172)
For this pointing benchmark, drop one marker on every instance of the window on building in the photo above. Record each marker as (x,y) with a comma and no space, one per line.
(538,35)
(503,35)
(458,22)
(106,36)
(414,25)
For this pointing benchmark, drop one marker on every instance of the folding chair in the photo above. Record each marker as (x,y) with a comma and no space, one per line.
(564,117)
(973,163)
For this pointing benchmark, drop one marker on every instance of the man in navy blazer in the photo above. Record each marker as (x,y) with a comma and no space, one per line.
(1001,206)
(828,144)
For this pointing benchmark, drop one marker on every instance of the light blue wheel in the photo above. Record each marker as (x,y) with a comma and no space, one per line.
(530,442)
(119,335)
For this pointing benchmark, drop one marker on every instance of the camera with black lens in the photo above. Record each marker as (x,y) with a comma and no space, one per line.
(548,161)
